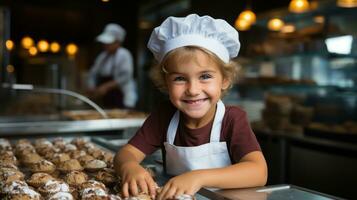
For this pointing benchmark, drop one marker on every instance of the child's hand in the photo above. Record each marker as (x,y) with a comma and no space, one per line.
(136,179)
(187,183)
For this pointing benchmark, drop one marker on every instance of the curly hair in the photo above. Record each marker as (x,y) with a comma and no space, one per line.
(157,73)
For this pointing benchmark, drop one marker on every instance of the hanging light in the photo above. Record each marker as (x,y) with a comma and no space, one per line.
(33,51)
(319,19)
(71,49)
(9,45)
(10,68)
(347,3)
(248,16)
(55,47)
(242,24)
(275,24)
(288,28)
(27,42)
(43,46)
(298,6)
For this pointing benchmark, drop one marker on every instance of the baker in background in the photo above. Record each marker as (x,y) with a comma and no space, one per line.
(110,80)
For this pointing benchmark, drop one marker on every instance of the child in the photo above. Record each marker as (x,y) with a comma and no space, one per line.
(205,143)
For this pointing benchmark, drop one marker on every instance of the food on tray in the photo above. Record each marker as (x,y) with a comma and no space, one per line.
(69,165)
(94,165)
(44,166)
(38,179)
(75,178)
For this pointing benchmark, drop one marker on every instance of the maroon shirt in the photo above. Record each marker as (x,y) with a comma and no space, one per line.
(235,131)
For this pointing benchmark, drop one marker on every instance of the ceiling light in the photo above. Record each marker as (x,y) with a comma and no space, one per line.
(347,3)
(55,47)
(275,24)
(71,49)
(288,28)
(298,6)
(43,46)
(27,42)
(9,45)
(248,16)
(242,24)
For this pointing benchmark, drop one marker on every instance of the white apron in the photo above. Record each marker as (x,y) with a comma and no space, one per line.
(211,155)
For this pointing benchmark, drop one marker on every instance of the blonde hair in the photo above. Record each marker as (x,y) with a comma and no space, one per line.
(157,73)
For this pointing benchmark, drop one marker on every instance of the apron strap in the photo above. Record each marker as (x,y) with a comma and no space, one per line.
(171,131)
(217,123)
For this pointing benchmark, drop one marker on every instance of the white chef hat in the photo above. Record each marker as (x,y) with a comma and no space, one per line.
(215,35)
(111,33)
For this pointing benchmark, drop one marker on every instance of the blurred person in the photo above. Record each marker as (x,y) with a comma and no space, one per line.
(110,80)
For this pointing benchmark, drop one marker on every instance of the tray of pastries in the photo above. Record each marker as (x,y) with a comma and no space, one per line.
(112,113)
(60,170)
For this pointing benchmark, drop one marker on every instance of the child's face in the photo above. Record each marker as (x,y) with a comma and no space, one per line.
(194,85)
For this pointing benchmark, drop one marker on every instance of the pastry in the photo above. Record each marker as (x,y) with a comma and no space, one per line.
(70,165)
(75,178)
(61,196)
(107,176)
(60,157)
(94,165)
(84,159)
(94,194)
(52,187)
(44,166)
(38,179)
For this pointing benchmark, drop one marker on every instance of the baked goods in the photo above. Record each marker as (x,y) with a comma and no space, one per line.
(107,176)
(38,179)
(94,193)
(61,196)
(75,178)
(94,165)
(84,159)
(60,157)
(52,187)
(70,165)
(44,166)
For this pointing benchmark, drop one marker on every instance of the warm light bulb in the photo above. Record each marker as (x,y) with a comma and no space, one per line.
(55,47)
(288,28)
(248,16)
(9,45)
(242,24)
(298,6)
(10,68)
(43,46)
(275,24)
(347,3)
(71,49)
(33,51)
(27,42)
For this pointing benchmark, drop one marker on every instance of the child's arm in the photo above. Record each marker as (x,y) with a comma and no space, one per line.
(251,171)
(127,165)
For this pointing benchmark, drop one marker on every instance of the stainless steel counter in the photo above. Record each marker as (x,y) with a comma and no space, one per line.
(45,127)
(272,192)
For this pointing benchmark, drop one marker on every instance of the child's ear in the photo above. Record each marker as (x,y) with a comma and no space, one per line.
(226,83)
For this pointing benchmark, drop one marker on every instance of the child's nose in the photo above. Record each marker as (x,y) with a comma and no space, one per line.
(193,88)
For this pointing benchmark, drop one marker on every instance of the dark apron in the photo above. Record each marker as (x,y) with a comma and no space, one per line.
(113,98)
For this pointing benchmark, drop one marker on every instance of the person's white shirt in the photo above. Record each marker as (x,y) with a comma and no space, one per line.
(120,66)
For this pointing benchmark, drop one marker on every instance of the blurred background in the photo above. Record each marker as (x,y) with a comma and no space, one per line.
(297,74)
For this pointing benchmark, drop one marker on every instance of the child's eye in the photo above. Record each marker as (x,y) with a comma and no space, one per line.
(205,76)
(179,78)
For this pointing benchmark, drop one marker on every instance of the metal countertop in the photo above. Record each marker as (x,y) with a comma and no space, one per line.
(45,127)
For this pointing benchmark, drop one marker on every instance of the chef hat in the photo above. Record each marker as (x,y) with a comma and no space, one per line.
(215,35)
(111,33)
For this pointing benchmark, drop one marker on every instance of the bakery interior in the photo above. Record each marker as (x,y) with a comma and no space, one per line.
(297,82)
